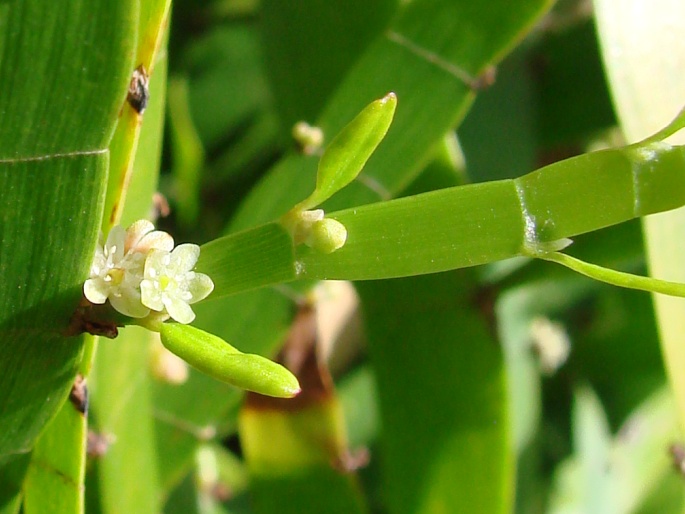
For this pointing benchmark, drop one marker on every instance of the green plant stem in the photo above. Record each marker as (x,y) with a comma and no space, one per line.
(616,278)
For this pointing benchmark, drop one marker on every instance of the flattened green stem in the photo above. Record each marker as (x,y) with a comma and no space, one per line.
(616,278)
(218,359)
(153,23)
(462,226)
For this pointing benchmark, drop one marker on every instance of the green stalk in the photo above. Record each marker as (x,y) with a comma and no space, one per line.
(616,278)
(463,226)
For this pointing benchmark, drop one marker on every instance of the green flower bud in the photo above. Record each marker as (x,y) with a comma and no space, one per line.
(218,359)
(326,235)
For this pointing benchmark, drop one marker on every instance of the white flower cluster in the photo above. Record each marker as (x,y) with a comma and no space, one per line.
(140,272)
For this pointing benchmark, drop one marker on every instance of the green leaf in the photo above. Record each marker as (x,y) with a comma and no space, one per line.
(145,175)
(615,475)
(481,223)
(188,156)
(54,482)
(56,119)
(12,473)
(43,226)
(216,358)
(151,24)
(462,226)
(62,98)
(128,473)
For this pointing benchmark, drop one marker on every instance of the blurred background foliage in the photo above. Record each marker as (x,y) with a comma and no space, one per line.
(512,387)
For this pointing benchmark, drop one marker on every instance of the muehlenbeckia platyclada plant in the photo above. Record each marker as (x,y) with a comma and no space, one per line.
(148,280)
(141,274)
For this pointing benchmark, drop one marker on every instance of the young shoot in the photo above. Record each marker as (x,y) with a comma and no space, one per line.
(341,163)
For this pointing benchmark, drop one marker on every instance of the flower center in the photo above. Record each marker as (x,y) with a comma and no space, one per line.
(115,276)
(165,282)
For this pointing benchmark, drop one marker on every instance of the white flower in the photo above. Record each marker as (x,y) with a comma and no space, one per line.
(170,284)
(142,237)
(118,265)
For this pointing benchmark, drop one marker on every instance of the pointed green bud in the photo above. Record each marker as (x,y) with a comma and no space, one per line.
(347,154)
(218,359)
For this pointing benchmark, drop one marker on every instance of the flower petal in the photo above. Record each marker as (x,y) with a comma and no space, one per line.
(136,232)
(156,264)
(115,243)
(129,304)
(94,291)
(151,296)
(183,258)
(200,287)
(179,310)
(158,239)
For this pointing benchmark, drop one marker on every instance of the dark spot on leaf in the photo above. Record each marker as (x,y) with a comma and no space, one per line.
(677,451)
(79,394)
(138,92)
(98,320)
(97,444)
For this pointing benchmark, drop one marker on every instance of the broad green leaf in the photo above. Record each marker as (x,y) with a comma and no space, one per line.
(216,358)
(43,226)
(58,114)
(62,98)
(63,443)
(54,481)
(12,475)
